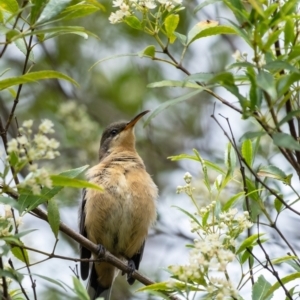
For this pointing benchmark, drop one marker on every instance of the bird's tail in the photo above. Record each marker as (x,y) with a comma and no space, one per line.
(95,289)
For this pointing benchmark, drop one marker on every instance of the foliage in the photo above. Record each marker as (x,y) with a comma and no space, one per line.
(265,83)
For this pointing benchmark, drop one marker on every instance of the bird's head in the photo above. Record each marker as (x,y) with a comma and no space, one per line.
(119,135)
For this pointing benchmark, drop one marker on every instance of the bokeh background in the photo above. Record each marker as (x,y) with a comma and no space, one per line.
(113,90)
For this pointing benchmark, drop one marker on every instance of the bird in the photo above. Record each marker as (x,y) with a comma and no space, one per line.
(119,217)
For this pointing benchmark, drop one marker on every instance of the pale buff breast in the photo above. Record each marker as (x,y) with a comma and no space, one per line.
(119,217)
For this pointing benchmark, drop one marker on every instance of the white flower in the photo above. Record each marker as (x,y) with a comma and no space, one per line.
(117,3)
(27,124)
(12,146)
(150,4)
(46,126)
(187,177)
(22,140)
(237,55)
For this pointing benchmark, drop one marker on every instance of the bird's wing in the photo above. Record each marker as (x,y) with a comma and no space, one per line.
(84,253)
(136,258)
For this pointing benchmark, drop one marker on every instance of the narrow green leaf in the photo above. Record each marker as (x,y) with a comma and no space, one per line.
(53,216)
(22,47)
(133,22)
(191,216)
(59,180)
(289,116)
(171,102)
(183,156)
(247,152)
(9,201)
(208,28)
(78,10)
(148,51)
(285,141)
(230,158)
(251,135)
(10,6)
(205,3)
(284,82)
(171,23)
(249,242)
(278,65)
(20,253)
(278,205)
(28,201)
(277,285)
(52,9)
(272,172)
(231,201)
(283,259)
(201,77)
(266,82)
(181,38)
(260,288)
(80,290)
(33,77)
(174,83)
(37,7)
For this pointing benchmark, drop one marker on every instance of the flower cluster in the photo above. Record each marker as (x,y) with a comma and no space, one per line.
(29,148)
(188,189)
(7,223)
(38,147)
(129,7)
(214,247)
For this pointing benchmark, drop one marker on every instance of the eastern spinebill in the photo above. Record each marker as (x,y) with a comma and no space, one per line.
(119,217)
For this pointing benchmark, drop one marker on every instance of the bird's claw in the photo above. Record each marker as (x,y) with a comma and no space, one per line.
(132,267)
(100,250)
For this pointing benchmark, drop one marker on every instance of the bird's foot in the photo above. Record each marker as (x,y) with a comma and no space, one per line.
(132,267)
(100,251)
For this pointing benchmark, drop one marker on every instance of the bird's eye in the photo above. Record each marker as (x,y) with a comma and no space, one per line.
(113,132)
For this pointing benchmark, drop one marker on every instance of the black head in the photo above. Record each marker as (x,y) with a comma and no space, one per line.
(119,134)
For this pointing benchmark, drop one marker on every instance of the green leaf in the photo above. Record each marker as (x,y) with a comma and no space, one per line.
(285,141)
(133,22)
(201,77)
(23,48)
(230,158)
(191,216)
(79,10)
(37,7)
(148,51)
(208,28)
(266,82)
(64,181)
(56,30)
(247,152)
(171,102)
(20,253)
(260,288)
(230,202)
(33,77)
(278,65)
(283,259)
(278,205)
(174,83)
(205,3)
(171,23)
(289,33)
(9,201)
(10,6)
(181,38)
(52,9)
(284,280)
(183,156)
(272,172)
(28,201)
(285,82)
(249,242)
(249,135)
(80,290)
(289,116)
(53,216)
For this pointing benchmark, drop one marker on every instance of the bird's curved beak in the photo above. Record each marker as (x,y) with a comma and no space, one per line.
(131,123)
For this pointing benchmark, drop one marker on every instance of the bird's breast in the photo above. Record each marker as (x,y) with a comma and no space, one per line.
(119,217)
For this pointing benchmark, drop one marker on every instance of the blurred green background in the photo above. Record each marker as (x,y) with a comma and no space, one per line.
(113,90)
